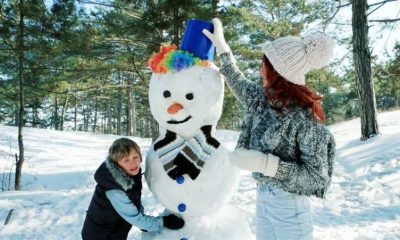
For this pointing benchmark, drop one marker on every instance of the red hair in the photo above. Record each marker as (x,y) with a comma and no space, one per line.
(281,92)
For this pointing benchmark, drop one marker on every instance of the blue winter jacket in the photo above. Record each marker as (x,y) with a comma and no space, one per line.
(116,205)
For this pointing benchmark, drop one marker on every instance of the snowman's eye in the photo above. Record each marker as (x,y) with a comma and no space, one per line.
(189,96)
(167,94)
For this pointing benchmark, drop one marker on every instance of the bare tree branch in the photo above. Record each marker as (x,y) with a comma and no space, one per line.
(380,5)
(385,20)
(97,3)
(333,15)
(344,5)
(340,61)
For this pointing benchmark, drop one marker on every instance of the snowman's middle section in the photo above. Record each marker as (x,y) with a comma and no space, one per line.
(212,188)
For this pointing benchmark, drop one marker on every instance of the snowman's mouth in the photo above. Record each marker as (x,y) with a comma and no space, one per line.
(179,122)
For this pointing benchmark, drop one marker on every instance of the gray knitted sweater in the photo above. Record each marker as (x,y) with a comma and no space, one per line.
(305,147)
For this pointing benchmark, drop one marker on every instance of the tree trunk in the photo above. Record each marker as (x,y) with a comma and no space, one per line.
(103,123)
(55,114)
(95,118)
(35,120)
(362,63)
(16,115)
(119,113)
(86,117)
(63,113)
(109,119)
(133,117)
(21,159)
(130,110)
(176,26)
(75,111)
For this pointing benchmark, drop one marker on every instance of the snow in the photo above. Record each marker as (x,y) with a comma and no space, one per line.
(363,201)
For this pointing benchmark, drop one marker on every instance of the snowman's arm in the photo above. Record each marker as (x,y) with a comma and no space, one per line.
(128,211)
(245,90)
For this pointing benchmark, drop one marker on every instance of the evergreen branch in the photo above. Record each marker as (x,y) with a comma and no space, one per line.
(383,69)
(9,97)
(134,64)
(7,18)
(129,12)
(134,14)
(68,69)
(8,44)
(71,92)
(132,41)
(97,3)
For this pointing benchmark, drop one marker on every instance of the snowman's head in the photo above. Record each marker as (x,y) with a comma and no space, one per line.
(185,101)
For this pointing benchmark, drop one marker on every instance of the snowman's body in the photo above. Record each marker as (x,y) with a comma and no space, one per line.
(206,194)
(183,102)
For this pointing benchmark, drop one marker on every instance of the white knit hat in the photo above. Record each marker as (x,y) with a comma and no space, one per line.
(293,57)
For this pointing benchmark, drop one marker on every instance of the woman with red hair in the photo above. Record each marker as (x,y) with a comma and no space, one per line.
(283,140)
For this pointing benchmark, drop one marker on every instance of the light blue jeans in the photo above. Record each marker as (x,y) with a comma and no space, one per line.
(282,215)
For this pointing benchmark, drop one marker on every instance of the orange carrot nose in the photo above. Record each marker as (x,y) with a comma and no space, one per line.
(174,108)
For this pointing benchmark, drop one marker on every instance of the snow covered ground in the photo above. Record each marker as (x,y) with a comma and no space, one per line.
(363,201)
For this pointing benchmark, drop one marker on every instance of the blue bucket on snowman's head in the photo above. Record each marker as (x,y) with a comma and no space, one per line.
(195,42)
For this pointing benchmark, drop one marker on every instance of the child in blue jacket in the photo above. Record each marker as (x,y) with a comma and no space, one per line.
(116,203)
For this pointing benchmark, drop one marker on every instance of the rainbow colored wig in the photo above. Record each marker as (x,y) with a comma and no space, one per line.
(169,59)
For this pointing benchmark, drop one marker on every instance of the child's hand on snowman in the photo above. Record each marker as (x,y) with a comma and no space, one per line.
(217,38)
(255,161)
(173,222)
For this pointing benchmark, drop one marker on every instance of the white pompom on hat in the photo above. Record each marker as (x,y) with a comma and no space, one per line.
(293,57)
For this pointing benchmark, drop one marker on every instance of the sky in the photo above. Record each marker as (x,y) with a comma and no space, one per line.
(363,201)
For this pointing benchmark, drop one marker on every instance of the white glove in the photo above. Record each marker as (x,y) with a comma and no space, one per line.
(217,38)
(255,161)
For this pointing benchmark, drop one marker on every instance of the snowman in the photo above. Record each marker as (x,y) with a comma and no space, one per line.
(187,168)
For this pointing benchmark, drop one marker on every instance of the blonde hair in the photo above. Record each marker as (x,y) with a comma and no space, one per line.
(121,148)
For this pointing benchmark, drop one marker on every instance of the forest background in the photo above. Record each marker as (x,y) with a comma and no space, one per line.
(84,63)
